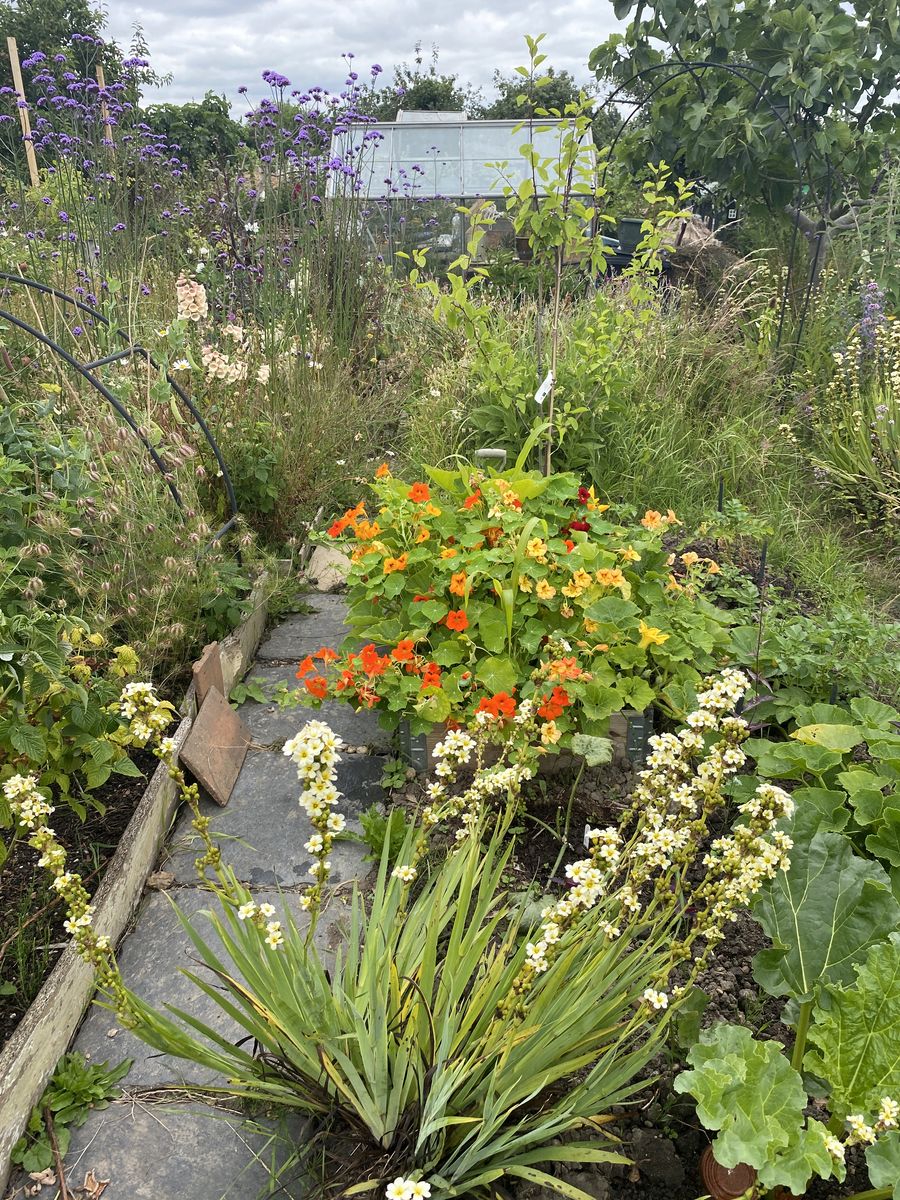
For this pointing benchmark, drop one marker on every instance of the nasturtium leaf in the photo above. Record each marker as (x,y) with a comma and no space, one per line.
(432,610)
(883,1161)
(393,584)
(614,611)
(492,629)
(841,738)
(435,708)
(449,653)
(747,1091)
(498,673)
(855,1034)
(884,841)
(874,713)
(822,916)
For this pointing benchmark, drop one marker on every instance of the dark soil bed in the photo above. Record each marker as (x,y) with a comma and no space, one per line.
(31,918)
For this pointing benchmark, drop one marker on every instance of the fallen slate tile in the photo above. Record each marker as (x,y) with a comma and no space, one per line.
(153,958)
(263,829)
(270,724)
(165,1151)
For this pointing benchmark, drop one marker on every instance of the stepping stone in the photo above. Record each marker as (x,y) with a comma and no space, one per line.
(165,1151)
(263,829)
(270,724)
(152,959)
(304,633)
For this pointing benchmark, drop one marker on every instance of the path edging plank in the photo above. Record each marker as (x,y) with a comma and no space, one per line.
(43,1035)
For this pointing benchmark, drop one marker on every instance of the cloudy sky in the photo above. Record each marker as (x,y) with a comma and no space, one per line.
(222,44)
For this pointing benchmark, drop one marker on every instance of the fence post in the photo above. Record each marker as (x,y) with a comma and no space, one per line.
(24,120)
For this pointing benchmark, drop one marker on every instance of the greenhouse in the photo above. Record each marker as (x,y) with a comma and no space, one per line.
(414,174)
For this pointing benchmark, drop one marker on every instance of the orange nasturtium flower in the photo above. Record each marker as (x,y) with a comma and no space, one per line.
(404,650)
(423,535)
(457,620)
(652,519)
(432,510)
(383,471)
(419,493)
(431,676)
(502,706)
(458,583)
(371,661)
(554,704)
(610,577)
(449,551)
(326,654)
(396,564)
(471,501)
(305,666)
(566,668)
(366,530)
(317,686)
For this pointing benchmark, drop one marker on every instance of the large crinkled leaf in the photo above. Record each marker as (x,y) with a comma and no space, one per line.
(883,1161)
(750,1093)
(884,842)
(842,738)
(822,916)
(855,1032)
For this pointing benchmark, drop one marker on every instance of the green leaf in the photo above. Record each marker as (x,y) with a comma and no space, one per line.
(492,628)
(818,808)
(791,760)
(635,692)
(435,708)
(498,673)
(840,738)
(433,610)
(595,750)
(856,1034)
(30,741)
(885,841)
(614,611)
(126,767)
(747,1091)
(873,712)
(822,916)
(883,1161)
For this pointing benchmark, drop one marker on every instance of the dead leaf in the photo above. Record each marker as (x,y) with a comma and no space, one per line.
(160,880)
(92,1188)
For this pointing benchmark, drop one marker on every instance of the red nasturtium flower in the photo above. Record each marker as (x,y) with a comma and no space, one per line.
(305,666)
(317,686)
(471,501)
(371,661)
(584,494)
(346,681)
(326,654)
(404,650)
(458,583)
(554,704)
(431,676)
(457,620)
(502,706)
(419,493)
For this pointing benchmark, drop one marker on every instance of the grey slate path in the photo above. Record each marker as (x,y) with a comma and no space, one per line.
(270,725)
(149,1147)
(166,1151)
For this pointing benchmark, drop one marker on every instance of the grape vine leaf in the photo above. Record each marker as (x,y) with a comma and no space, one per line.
(855,1032)
(883,1161)
(750,1093)
(822,916)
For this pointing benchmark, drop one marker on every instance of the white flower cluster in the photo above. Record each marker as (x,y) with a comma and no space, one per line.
(191,298)
(27,804)
(407,1189)
(862,1133)
(219,366)
(656,1000)
(315,753)
(261,915)
(146,714)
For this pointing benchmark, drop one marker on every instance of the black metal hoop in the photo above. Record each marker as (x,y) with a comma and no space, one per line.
(86,370)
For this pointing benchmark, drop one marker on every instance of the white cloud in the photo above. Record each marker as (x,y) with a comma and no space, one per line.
(219,45)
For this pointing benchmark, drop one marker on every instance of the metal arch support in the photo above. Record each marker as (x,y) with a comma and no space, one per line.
(104,391)
(743,72)
(86,369)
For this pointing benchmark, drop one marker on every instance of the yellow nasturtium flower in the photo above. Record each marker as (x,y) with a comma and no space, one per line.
(651,636)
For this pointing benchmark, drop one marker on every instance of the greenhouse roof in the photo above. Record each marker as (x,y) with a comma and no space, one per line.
(443,154)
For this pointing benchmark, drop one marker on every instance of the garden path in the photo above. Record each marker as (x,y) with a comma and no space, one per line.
(160,1144)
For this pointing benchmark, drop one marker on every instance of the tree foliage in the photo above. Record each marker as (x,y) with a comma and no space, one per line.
(203,130)
(827,67)
(50,26)
(419,88)
(515,100)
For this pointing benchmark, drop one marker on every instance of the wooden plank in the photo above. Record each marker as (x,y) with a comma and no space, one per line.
(24,120)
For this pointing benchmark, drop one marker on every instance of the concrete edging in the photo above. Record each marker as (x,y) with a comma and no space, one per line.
(43,1035)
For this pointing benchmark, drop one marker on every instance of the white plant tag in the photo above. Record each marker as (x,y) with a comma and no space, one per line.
(544,390)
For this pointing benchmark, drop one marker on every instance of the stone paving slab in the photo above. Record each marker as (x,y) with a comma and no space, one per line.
(305,633)
(153,958)
(271,725)
(163,1151)
(263,828)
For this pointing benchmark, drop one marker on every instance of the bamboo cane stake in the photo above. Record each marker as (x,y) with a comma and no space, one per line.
(104,107)
(24,121)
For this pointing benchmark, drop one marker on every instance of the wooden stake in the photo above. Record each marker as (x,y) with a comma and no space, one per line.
(104,107)
(24,121)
